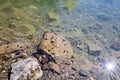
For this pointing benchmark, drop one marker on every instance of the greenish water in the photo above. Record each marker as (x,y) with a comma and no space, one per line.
(27,18)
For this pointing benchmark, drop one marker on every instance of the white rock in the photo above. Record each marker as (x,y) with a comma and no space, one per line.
(26,69)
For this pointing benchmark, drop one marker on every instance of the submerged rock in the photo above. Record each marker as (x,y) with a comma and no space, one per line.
(103,17)
(9,48)
(6,35)
(53,18)
(54,67)
(27,69)
(57,46)
(83,73)
(33,10)
(0,68)
(94,49)
(68,6)
(115,44)
(27,30)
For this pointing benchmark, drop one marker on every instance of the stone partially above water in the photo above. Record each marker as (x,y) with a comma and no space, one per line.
(27,69)
(57,46)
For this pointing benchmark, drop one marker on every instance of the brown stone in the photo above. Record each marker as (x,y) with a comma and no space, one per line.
(53,44)
(90,78)
(8,48)
(4,71)
(44,59)
(0,68)
(25,55)
(72,76)
(5,57)
(54,67)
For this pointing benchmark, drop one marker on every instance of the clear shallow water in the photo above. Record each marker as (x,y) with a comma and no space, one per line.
(28,17)
(95,21)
